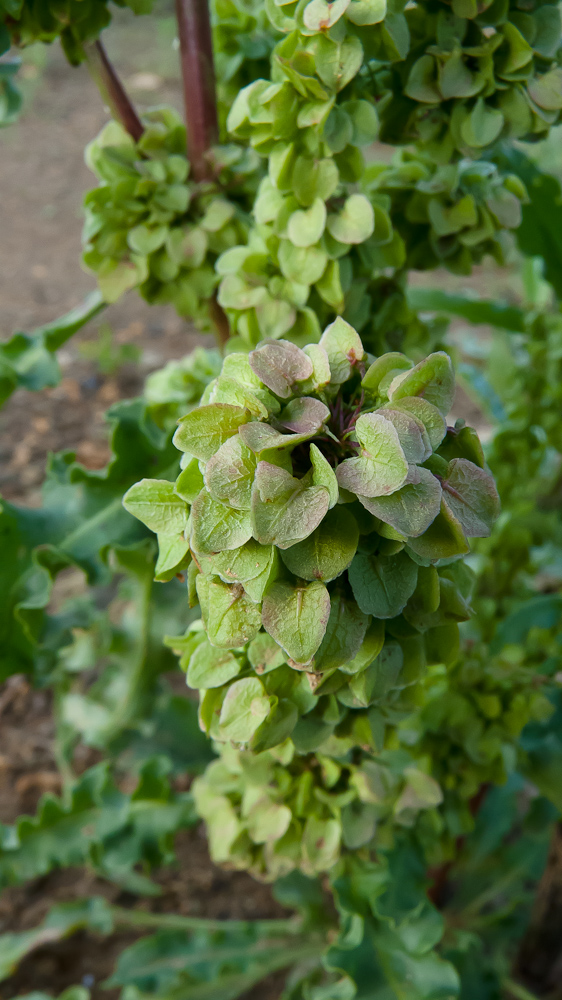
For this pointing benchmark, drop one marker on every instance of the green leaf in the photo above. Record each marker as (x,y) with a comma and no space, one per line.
(483,125)
(344,635)
(321,845)
(366,11)
(215,527)
(380,374)
(382,585)
(280,365)
(264,654)
(344,349)
(278,726)
(356,221)
(146,239)
(205,429)
(337,63)
(304,415)
(173,556)
(210,667)
(229,474)
(230,617)
(156,504)
(328,551)
(252,565)
(546,91)
(244,708)
(382,468)
(432,379)
(190,482)
(412,508)
(411,432)
(319,15)
(305,226)
(304,265)
(285,510)
(296,616)
(323,474)
(472,498)
(443,539)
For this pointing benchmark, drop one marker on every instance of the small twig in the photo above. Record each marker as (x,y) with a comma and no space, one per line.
(111,89)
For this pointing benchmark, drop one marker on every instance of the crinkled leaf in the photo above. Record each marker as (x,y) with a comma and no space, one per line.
(279,365)
(284,509)
(202,431)
(230,617)
(296,616)
(382,585)
(263,437)
(304,415)
(229,474)
(252,565)
(215,527)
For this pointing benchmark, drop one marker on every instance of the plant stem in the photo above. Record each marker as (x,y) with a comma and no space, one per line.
(198,74)
(144,918)
(518,991)
(112,90)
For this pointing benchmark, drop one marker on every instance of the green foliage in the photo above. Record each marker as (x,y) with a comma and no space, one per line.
(101,826)
(377,653)
(28,360)
(147,225)
(73,21)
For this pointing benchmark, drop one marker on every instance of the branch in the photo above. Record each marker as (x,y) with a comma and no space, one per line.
(198,74)
(112,90)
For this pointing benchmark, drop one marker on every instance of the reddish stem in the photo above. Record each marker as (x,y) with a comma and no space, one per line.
(112,90)
(198,73)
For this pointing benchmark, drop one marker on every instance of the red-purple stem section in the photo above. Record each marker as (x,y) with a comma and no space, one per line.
(198,73)
(112,90)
